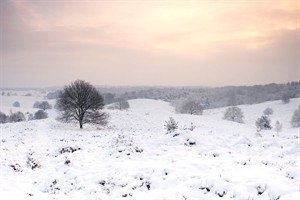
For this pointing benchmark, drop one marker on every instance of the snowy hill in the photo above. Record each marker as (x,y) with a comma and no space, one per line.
(134,158)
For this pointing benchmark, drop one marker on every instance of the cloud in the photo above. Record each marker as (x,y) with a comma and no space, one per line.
(30,15)
(143,42)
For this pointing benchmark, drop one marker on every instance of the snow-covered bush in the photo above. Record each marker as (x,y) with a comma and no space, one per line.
(277,126)
(16,117)
(40,114)
(263,123)
(16,104)
(3,118)
(234,114)
(268,111)
(296,118)
(171,125)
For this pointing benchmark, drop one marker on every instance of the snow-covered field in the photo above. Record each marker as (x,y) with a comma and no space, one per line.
(134,158)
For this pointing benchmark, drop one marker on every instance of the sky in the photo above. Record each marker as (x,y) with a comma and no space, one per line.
(149,43)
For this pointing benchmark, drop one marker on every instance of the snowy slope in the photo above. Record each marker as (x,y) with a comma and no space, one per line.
(134,158)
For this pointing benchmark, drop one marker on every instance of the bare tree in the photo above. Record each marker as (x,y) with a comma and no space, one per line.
(80,101)
(192,107)
(40,114)
(296,118)
(234,114)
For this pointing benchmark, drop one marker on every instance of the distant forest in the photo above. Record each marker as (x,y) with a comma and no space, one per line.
(209,97)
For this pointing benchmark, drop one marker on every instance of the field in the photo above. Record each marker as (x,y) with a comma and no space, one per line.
(134,158)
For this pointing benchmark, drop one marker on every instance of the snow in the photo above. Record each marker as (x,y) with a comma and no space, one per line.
(134,158)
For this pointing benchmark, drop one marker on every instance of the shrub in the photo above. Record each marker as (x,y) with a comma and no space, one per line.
(296,118)
(263,123)
(268,111)
(16,104)
(234,114)
(40,114)
(171,125)
(30,117)
(36,104)
(17,117)
(3,118)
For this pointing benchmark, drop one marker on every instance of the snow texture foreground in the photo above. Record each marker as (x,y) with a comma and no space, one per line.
(134,158)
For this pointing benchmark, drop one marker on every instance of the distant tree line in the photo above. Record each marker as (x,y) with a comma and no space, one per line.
(209,97)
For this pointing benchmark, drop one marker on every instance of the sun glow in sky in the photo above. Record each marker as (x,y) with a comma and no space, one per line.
(130,42)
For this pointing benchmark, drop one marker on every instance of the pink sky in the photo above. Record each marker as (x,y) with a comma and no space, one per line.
(171,43)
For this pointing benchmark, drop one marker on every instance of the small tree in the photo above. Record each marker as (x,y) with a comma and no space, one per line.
(296,118)
(16,104)
(80,101)
(40,114)
(285,98)
(192,107)
(30,117)
(234,114)
(3,118)
(268,111)
(263,123)
(16,117)
(277,126)
(171,125)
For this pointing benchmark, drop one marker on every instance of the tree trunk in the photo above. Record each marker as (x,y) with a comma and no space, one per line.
(80,124)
